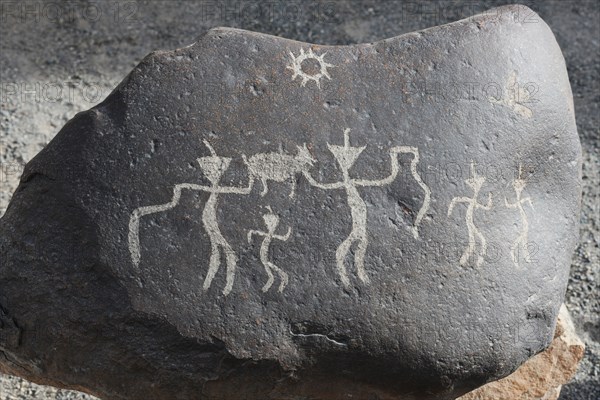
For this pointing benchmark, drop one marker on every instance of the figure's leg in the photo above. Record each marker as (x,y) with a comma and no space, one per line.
(284,280)
(270,279)
(340,257)
(525,243)
(283,276)
(483,252)
(213,266)
(265,189)
(359,257)
(464,260)
(231,266)
(293,191)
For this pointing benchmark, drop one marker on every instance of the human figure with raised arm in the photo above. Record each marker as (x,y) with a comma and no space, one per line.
(272,222)
(522,239)
(213,167)
(475,182)
(346,156)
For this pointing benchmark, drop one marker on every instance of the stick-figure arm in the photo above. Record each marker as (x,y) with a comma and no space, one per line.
(253,232)
(489,203)
(326,186)
(528,199)
(509,205)
(394,151)
(285,237)
(457,200)
(235,189)
(138,213)
(177,189)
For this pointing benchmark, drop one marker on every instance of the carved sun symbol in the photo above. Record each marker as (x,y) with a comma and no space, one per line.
(296,67)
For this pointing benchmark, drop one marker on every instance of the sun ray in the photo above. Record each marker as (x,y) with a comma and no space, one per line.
(296,67)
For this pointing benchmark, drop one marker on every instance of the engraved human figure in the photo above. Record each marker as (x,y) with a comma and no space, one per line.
(346,156)
(522,240)
(475,182)
(272,222)
(213,168)
(278,167)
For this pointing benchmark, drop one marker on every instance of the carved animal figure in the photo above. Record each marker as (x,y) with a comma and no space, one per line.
(278,167)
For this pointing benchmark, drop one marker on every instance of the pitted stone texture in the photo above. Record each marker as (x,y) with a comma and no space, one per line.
(233,222)
(542,376)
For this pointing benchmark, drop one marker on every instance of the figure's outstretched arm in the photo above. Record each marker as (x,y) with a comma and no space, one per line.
(394,151)
(286,236)
(528,199)
(326,186)
(252,232)
(237,190)
(138,213)
(457,200)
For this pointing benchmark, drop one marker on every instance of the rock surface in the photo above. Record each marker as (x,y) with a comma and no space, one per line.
(322,158)
(542,376)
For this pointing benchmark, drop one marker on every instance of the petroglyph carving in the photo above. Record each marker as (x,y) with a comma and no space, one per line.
(516,98)
(475,182)
(346,156)
(296,67)
(415,174)
(279,167)
(213,168)
(272,222)
(522,240)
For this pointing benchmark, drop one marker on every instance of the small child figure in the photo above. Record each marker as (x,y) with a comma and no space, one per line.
(271,221)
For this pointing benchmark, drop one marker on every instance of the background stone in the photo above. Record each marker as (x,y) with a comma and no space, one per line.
(87,55)
(542,376)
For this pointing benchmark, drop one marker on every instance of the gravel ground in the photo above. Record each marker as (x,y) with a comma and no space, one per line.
(59,58)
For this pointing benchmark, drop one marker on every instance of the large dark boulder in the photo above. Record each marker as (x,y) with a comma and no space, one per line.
(251,217)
